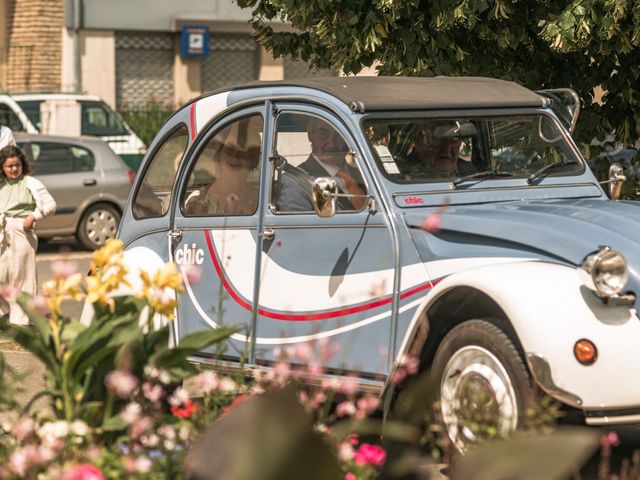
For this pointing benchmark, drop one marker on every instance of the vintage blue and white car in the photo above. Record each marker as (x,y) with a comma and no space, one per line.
(449,218)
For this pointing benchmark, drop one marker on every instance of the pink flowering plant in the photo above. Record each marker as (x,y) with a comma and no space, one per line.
(119,403)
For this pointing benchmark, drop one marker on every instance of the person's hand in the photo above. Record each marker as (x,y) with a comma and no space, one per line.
(28,222)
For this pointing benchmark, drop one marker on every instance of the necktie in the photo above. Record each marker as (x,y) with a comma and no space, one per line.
(353,188)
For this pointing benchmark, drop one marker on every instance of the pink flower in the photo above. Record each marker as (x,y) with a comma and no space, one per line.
(369,454)
(349,476)
(153,393)
(431,223)
(62,269)
(24,428)
(366,406)
(83,472)
(192,273)
(39,304)
(345,409)
(121,382)
(207,381)
(140,426)
(8,292)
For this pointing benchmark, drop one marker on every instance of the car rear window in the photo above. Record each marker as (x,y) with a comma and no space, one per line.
(153,196)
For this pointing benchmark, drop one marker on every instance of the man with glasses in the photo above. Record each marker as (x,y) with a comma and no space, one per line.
(327,159)
(436,147)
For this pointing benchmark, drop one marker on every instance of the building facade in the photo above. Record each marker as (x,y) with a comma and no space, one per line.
(129,51)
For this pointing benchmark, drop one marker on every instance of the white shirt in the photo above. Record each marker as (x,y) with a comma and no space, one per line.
(6,137)
(332,170)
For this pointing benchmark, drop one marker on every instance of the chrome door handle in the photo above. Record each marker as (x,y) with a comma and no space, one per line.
(89,182)
(268,233)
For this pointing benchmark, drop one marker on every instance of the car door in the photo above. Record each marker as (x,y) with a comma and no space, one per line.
(325,283)
(215,229)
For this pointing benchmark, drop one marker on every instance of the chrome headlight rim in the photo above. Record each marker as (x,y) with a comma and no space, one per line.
(608,270)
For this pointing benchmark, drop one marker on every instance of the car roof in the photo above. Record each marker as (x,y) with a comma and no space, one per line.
(38,137)
(51,96)
(414,93)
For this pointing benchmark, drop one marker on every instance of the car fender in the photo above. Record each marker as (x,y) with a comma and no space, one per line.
(550,306)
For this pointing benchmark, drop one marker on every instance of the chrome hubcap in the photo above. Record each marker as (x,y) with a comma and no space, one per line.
(101,226)
(477,398)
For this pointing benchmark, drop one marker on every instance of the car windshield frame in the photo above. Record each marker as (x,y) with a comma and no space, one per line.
(387,162)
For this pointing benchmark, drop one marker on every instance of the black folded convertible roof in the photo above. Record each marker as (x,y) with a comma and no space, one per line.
(413,93)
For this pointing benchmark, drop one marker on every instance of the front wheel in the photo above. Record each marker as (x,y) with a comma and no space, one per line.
(484,385)
(97,225)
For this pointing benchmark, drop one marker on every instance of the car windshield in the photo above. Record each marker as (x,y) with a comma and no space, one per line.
(32,109)
(99,120)
(445,149)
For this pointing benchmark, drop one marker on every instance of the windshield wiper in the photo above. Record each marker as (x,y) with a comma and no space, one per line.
(547,168)
(480,175)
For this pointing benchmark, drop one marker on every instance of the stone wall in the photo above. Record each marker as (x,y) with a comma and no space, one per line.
(33,52)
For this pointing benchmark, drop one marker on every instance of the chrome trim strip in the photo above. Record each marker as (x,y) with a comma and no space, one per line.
(542,375)
(613,419)
(225,366)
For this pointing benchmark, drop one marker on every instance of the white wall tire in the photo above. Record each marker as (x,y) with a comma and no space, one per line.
(484,386)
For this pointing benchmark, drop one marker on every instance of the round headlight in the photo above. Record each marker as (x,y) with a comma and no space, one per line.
(608,270)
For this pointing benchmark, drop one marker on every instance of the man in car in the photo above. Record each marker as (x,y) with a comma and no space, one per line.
(436,150)
(327,159)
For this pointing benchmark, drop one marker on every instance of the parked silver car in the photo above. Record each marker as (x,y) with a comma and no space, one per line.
(89,182)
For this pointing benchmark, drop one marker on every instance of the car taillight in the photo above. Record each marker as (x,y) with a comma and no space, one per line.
(132,175)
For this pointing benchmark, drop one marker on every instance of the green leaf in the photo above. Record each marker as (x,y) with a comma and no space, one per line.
(531,456)
(114,424)
(190,344)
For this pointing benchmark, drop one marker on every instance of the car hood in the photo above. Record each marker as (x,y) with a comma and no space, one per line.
(565,229)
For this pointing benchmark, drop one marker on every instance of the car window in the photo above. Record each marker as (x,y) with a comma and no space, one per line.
(51,158)
(154,192)
(83,160)
(225,178)
(308,147)
(31,108)
(9,118)
(426,150)
(100,120)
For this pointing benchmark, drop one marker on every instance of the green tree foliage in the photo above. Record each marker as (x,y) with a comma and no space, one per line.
(538,43)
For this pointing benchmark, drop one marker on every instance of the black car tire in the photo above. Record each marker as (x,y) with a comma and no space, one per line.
(98,224)
(482,378)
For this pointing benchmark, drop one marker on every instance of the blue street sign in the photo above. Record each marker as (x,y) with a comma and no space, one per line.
(194,41)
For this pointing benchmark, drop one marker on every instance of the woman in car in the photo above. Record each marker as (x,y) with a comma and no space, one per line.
(23,201)
(236,153)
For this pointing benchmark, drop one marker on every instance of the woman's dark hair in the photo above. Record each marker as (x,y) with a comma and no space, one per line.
(12,151)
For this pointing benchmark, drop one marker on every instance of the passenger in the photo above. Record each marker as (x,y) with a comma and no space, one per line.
(23,201)
(327,159)
(437,150)
(231,192)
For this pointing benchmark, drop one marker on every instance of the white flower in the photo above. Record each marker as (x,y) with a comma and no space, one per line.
(167,431)
(227,385)
(151,440)
(345,452)
(79,428)
(54,430)
(131,413)
(151,371)
(121,382)
(179,397)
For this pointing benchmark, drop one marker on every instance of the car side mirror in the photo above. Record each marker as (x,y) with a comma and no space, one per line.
(324,191)
(616,180)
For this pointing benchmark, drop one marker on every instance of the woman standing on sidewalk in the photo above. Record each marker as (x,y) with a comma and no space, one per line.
(23,200)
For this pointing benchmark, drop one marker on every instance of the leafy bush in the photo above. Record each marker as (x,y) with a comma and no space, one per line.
(146,120)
